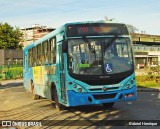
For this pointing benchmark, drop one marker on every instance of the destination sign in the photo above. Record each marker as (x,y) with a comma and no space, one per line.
(96,30)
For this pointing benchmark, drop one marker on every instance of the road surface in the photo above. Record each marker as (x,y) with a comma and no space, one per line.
(17,104)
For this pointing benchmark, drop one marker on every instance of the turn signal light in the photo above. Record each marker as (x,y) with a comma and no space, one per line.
(128,86)
(70,83)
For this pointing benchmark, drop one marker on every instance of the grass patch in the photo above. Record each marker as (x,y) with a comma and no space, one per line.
(148,81)
(151,79)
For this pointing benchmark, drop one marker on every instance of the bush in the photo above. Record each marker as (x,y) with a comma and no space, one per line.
(11,72)
(148,81)
(1,76)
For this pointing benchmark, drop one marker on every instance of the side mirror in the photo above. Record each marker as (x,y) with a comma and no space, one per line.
(65,46)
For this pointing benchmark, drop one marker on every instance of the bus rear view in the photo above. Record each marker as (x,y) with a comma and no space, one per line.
(100,64)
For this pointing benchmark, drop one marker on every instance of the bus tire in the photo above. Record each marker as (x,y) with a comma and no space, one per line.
(54,97)
(108,105)
(34,96)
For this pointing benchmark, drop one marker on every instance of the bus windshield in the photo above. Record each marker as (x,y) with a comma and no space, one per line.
(100,56)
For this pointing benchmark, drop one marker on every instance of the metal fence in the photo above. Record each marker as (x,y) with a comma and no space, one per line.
(11,72)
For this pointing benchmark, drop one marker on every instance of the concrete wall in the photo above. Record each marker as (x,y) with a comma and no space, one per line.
(1,56)
(10,55)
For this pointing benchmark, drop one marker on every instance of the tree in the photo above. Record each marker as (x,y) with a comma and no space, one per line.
(10,37)
(132,29)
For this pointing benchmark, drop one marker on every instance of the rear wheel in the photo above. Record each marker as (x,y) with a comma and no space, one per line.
(108,105)
(34,96)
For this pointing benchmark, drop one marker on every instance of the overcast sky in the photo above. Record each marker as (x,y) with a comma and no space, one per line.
(143,14)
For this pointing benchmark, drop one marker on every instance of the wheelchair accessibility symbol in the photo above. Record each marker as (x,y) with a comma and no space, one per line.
(108,68)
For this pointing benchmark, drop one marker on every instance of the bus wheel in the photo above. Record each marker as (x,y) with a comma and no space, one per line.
(57,104)
(108,105)
(34,96)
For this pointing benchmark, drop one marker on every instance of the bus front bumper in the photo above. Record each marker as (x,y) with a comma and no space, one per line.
(78,98)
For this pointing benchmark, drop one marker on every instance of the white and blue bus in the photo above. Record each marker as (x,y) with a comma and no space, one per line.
(82,63)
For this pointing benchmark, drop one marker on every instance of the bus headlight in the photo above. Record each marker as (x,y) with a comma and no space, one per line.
(75,85)
(78,88)
(131,81)
(128,86)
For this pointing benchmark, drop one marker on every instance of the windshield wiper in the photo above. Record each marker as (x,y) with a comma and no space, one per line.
(89,44)
(110,42)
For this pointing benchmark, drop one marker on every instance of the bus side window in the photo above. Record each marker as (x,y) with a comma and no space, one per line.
(30,58)
(45,52)
(49,51)
(34,56)
(42,56)
(52,50)
(39,53)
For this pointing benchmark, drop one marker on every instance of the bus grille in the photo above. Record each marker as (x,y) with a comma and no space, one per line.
(104,96)
(110,88)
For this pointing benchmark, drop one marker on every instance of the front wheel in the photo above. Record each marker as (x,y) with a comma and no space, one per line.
(108,105)
(58,106)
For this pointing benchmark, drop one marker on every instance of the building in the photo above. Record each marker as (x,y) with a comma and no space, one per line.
(34,33)
(146,49)
(11,57)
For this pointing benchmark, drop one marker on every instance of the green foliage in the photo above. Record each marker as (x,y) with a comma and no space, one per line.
(9,37)
(11,72)
(151,80)
(155,69)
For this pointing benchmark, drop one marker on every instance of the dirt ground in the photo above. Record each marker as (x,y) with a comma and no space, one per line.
(17,104)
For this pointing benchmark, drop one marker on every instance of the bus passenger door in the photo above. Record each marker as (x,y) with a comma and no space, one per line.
(61,73)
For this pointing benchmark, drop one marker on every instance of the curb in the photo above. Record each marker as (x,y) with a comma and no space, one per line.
(148,90)
(4,82)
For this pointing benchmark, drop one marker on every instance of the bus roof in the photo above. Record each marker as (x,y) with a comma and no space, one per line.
(87,22)
(62,28)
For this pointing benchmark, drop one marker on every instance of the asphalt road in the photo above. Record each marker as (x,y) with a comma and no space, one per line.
(17,104)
